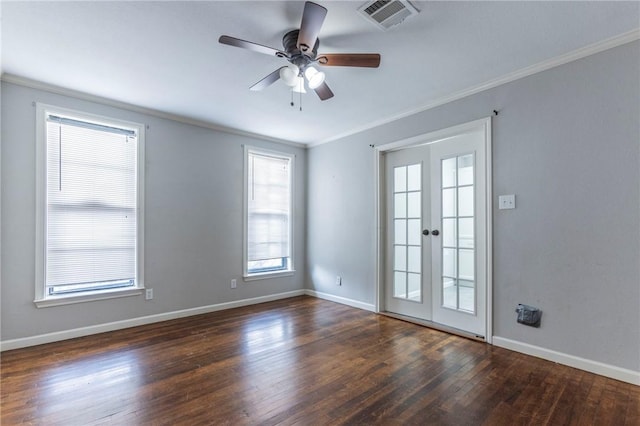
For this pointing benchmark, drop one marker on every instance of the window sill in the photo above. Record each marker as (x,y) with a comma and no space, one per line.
(266,275)
(87,297)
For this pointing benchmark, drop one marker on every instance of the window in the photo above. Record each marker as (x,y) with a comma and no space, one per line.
(90,191)
(268,219)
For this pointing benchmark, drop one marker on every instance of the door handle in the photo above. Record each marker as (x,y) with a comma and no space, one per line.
(435,232)
(425,232)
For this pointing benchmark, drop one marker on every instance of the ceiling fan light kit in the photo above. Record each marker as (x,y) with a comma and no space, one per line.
(301,50)
(314,77)
(289,74)
(298,86)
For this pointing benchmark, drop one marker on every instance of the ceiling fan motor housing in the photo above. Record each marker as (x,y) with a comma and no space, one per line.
(301,50)
(296,56)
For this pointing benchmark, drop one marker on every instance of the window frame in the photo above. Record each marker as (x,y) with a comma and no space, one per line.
(251,276)
(42,299)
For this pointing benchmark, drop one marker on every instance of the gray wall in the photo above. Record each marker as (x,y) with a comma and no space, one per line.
(567,143)
(193,223)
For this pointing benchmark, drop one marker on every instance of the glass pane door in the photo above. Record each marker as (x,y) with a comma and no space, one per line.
(435,239)
(458,240)
(407,247)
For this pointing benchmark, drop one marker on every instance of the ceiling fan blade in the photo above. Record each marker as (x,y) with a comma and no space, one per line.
(312,20)
(236,42)
(267,81)
(369,60)
(324,92)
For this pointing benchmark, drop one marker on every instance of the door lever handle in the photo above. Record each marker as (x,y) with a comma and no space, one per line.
(435,232)
(425,232)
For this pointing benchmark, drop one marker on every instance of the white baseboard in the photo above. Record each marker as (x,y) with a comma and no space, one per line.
(622,374)
(339,299)
(134,322)
(611,371)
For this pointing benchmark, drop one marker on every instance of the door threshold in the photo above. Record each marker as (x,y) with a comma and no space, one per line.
(435,326)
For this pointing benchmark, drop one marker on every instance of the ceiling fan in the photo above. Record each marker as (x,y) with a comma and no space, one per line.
(301,50)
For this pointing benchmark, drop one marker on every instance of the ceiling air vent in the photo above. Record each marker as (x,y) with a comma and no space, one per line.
(387,13)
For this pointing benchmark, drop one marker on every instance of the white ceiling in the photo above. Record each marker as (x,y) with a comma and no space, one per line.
(165,56)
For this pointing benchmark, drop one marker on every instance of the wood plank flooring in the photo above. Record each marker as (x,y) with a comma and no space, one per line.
(298,361)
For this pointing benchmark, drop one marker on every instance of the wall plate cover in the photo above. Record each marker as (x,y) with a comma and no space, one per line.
(507,202)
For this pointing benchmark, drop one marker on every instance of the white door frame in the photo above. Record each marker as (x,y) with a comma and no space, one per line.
(483,124)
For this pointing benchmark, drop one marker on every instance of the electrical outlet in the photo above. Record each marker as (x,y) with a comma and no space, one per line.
(148,294)
(233,283)
(338,280)
(507,202)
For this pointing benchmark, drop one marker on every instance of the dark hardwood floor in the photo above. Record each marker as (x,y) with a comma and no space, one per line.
(299,361)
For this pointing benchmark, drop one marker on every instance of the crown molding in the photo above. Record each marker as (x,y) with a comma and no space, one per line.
(574,55)
(38,85)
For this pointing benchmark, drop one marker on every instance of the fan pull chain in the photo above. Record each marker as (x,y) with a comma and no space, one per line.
(301,100)
(292,104)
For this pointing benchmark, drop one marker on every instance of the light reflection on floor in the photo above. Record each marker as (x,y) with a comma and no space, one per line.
(266,332)
(111,378)
(263,337)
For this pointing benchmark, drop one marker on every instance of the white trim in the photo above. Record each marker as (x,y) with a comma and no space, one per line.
(574,55)
(433,136)
(267,275)
(607,370)
(87,297)
(489,229)
(141,185)
(247,149)
(342,300)
(134,322)
(33,84)
(380,218)
(41,300)
(423,139)
(41,202)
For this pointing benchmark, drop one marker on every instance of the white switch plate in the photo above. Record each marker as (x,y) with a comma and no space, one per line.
(233,283)
(338,280)
(507,202)
(148,294)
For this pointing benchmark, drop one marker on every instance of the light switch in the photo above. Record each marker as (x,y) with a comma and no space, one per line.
(507,202)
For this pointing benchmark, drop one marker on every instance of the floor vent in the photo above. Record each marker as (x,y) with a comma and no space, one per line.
(387,13)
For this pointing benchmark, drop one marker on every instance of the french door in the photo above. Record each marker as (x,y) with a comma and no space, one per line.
(436,233)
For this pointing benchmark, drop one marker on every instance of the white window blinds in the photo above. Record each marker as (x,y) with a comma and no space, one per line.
(91,216)
(268,212)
